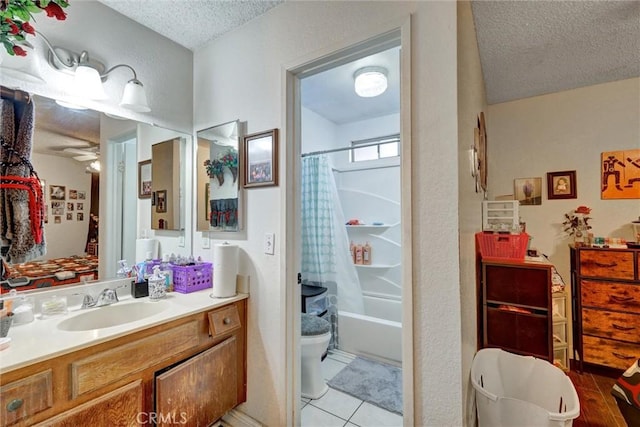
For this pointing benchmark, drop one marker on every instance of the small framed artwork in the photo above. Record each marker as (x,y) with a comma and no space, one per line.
(80,216)
(561,185)
(57,219)
(69,216)
(144,179)
(528,191)
(57,208)
(73,194)
(69,206)
(260,151)
(79,206)
(82,195)
(161,201)
(57,192)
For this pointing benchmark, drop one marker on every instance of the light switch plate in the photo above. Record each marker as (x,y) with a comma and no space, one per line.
(206,242)
(269,243)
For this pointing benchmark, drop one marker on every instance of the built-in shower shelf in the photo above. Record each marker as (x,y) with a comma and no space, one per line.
(377,265)
(371,227)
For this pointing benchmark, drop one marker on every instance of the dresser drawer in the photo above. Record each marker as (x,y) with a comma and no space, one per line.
(520,332)
(224,320)
(614,354)
(611,324)
(607,264)
(26,397)
(610,296)
(523,286)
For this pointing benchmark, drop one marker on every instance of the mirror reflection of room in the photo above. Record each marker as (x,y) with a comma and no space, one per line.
(49,234)
(218,178)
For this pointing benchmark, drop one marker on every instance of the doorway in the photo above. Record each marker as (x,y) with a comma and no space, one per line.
(302,116)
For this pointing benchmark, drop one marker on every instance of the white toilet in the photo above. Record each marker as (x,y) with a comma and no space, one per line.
(316,334)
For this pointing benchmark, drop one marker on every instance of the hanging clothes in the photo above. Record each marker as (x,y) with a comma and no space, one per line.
(21,198)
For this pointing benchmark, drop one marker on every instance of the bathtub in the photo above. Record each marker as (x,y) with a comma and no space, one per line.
(376,334)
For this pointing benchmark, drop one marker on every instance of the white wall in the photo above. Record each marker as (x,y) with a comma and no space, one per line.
(69,237)
(250,88)
(565,131)
(164,67)
(471,101)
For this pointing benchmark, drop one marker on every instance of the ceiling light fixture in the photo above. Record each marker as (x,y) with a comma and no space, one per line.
(370,81)
(89,75)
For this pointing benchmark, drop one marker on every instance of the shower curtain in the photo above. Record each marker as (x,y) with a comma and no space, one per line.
(326,258)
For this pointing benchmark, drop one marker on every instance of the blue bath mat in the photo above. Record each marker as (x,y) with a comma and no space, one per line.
(374,382)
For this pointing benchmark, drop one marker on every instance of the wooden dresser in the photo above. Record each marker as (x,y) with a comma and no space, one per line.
(605,286)
(516,307)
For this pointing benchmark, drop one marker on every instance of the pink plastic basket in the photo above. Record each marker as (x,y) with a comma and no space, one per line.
(499,245)
(191,278)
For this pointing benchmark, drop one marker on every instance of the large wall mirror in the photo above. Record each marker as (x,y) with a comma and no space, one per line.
(218,164)
(87,163)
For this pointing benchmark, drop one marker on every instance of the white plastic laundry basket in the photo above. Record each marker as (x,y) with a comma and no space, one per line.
(513,390)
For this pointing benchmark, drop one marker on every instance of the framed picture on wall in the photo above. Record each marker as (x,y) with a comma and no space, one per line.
(260,152)
(528,191)
(144,179)
(561,185)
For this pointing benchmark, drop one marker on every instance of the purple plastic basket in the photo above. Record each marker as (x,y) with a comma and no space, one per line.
(191,278)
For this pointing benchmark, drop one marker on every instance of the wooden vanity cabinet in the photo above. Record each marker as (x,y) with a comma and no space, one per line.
(200,358)
(606,306)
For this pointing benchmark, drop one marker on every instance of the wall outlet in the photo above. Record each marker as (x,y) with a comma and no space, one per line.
(269,243)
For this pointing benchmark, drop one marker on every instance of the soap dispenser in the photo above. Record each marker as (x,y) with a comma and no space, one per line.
(157,285)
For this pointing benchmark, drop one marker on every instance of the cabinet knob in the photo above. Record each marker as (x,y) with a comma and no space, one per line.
(226,321)
(14,405)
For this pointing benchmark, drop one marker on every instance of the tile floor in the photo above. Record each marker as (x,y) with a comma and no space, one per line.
(337,409)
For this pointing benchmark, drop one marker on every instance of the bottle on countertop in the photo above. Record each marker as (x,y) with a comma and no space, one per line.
(123,269)
(366,254)
(352,251)
(157,286)
(165,268)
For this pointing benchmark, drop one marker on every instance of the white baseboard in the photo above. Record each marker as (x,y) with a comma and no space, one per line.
(235,418)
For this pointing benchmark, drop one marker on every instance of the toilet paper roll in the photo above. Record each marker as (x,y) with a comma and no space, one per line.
(145,247)
(225,270)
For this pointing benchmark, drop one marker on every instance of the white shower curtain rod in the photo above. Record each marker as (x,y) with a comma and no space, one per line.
(360,144)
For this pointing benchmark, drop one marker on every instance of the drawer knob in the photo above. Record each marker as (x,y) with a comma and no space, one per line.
(616,298)
(14,405)
(226,321)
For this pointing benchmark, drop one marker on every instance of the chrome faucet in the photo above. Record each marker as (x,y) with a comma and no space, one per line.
(108,296)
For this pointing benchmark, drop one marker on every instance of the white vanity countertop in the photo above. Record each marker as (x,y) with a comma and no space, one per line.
(41,339)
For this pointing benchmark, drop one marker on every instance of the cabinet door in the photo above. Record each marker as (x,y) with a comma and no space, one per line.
(121,407)
(201,389)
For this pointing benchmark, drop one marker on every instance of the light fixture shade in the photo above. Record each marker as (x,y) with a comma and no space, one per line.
(134,97)
(87,83)
(370,81)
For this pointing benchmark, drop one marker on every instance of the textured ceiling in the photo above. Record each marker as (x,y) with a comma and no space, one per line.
(191,23)
(529,48)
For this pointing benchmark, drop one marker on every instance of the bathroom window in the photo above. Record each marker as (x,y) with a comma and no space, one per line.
(375,148)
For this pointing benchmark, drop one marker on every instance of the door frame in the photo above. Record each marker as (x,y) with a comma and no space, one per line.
(377,39)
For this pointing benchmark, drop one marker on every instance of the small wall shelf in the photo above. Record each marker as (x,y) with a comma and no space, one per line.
(377,265)
(367,227)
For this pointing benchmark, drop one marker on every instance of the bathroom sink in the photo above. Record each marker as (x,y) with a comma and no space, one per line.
(112,315)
